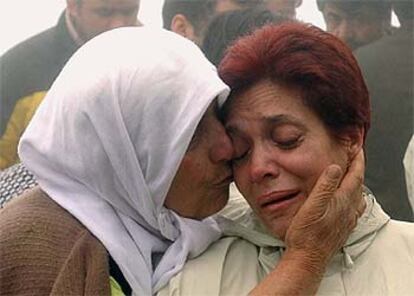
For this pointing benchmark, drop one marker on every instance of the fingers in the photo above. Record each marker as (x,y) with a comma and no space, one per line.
(327,183)
(351,186)
(330,213)
(355,175)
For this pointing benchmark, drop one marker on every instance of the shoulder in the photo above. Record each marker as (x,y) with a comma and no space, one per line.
(14,181)
(45,53)
(47,50)
(28,67)
(45,245)
(401,229)
(384,52)
(376,48)
(398,238)
(36,206)
(29,48)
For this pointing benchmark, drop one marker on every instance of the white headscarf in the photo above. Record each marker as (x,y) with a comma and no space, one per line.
(108,138)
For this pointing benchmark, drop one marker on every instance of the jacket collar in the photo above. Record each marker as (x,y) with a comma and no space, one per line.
(372,220)
(72,30)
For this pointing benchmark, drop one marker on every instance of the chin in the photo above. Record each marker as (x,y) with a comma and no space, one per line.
(222,201)
(278,228)
(218,202)
(278,225)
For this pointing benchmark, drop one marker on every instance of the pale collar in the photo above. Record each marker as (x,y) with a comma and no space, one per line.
(249,228)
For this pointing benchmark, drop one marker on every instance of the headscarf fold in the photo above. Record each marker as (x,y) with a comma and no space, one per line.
(107,140)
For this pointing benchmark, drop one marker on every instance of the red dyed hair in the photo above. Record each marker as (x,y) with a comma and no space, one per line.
(302,56)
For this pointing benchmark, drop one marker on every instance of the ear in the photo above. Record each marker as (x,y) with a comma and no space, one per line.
(72,6)
(181,25)
(354,140)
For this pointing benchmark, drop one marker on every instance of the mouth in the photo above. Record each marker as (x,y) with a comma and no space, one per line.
(278,199)
(224,181)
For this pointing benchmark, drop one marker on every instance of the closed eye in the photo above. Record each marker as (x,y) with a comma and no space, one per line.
(239,158)
(289,144)
(241,147)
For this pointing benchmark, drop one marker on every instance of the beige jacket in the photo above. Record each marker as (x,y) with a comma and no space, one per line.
(377,259)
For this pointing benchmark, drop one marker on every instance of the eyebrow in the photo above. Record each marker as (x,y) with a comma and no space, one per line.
(283,119)
(275,120)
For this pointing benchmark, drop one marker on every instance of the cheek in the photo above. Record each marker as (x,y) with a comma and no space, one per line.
(309,163)
(332,27)
(369,31)
(95,23)
(243,184)
(306,167)
(190,167)
(89,28)
(241,178)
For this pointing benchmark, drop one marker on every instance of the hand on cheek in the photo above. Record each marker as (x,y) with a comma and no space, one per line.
(328,216)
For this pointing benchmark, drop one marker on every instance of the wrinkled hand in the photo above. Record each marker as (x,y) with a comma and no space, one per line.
(328,216)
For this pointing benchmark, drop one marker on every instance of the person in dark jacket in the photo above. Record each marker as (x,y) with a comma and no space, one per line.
(29,68)
(190,18)
(388,66)
(356,22)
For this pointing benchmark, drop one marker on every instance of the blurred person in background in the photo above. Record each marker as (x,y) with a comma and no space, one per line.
(225,28)
(29,68)
(387,66)
(228,5)
(190,18)
(409,171)
(356,22)
(285,8)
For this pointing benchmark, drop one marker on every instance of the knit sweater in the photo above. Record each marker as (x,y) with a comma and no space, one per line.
(45,251)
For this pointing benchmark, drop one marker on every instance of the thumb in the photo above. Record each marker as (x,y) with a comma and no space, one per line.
(327,183)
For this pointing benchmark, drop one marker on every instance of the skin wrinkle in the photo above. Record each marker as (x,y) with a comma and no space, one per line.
(278,168)
(207,164)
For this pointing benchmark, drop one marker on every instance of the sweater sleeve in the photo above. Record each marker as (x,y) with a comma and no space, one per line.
(45,251)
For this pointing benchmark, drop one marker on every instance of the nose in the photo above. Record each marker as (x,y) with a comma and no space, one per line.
(262,165)
(222,148)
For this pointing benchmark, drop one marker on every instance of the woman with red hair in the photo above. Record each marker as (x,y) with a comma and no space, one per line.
(298,104)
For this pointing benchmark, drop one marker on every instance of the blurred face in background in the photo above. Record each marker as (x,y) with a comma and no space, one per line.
(286,8)
(227,5)
(92,17)
(357,26)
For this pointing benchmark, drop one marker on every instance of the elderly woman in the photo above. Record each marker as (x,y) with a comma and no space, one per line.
(131,160)
(298,103)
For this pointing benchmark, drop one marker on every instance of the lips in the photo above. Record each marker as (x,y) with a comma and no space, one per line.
(277,199)
(225,180)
